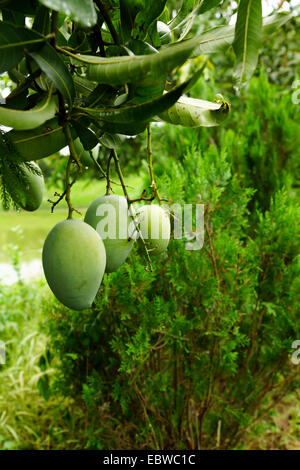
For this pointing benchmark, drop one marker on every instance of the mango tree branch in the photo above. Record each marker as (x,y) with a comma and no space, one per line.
(108,21)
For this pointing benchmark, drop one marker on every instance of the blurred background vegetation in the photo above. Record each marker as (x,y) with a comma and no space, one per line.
(135,372)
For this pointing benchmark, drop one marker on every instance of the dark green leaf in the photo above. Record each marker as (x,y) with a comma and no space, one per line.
(87,137)
(131,128)
(247,40)
(41,22)
(28,7)
(55,69)
(13,41)
(146,17)
(103,94)
(127,16)
(81,11)
(15,17)
(44,388)
(208,5)
(136,112)
(9,56)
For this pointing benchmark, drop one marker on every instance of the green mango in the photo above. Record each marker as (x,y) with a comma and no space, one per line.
(74,263)
(109,216)
(27,187)
(164,32)
(154,223)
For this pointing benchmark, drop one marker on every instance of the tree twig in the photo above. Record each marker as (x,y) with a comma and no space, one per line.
(108,21)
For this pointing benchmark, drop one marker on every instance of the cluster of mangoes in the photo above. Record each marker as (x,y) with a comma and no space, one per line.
(76,254)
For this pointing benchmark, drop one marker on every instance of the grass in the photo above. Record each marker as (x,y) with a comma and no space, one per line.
(29,421)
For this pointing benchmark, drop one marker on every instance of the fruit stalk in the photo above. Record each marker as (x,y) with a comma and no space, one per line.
(73,157)
(121,178)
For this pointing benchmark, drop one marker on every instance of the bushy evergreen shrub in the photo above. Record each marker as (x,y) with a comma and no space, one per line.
(190,354)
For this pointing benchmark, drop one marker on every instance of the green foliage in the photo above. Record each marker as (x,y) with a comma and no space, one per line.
(265,142)
(160,349)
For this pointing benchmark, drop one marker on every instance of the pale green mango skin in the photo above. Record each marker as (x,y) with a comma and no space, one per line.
(117,249)
(74,261)
(154,223)
(28,190)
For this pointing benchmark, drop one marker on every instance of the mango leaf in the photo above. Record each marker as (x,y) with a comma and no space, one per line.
(208,5)
(137,112)
(81,11)
(31,118)
(15,17)
(247,40)
(83,86)
(131,128)
(186,8)
(190,112)
(13,41)
(111,141)
(146,17)
(132,69)
(103,94)
(28,7)
(9,57)
(127,16)
(40,142)
(221,37)
(55,69)
(273,22)
(214,40)
(87,137)
(41,22)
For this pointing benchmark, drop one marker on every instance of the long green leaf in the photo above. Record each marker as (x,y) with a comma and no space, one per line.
(81,11)
(55,69)
(146,17)
(247,40)
(28,7)
(137,112)
(40,142)
(41,22)
(207,5)
(11,56)
(221,37)
(186,8)
(14,41)
(190,112)
(133,69)
(131,128)
(15,17)
(30,119)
